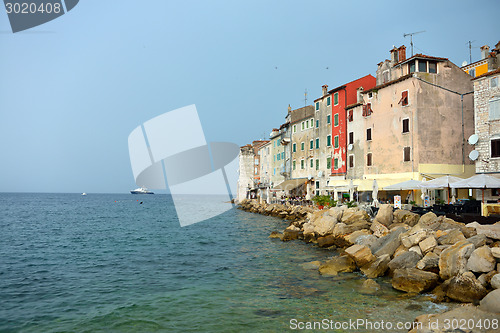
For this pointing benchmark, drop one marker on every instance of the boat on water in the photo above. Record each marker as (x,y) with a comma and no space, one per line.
(84,193)
(141,190)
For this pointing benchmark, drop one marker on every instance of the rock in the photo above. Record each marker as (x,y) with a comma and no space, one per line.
(490,231)
(440,248)
(308,230)
(326,241)
(352,238)
(451,237)
(481,260)
(370,287)
(367,240)
(485,279)
(361,254)
(400,250)
(412,238)
(336,212)
(429,221)
(384,215)
(337,265)
(344,229)
(428,244)
(447,223)
(291,233)
(407,259)
(379,229)
(415,249)
(440,323)
(387,244)
(413,280)
(353,215)
(453,260)
(324,225)
(495,281)
(469,232)
(478,240)
(376,268)
(311,265)
(465,288)
(429,262)
(495,252)
(406,217)
(276,234)
(491,302)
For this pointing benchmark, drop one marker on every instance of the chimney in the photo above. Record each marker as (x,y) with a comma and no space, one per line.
(485,51)
(325,89)
(402,53)
(289,109)
(359,95)
(394,55)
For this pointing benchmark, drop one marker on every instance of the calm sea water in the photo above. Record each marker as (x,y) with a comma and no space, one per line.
(105,262)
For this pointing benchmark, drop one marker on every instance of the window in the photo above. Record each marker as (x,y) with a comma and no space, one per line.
(311,144)
(294,147)
(422,66)
(283,155)
(432,67)
(368,134)
(367,109)
(317,106)
(328,101)
(411,67)
(404,98)
(370,94)
(385,76)
(312,122)
(351,161)
(293,165)
(317,184)
(350,115)
(336,141)
(336,164)
(317,123)
(317,164)
(302,164)
(328,119)
(369,159)
(495,148)
(328,140)
(274,171)
(302,125)
(336,119)
(406,125)
(472,72)
(307,124)
(294,128)
(329,163)
(494,82)
(278,157)
(494,108)
(317,143)
(406,152)
(336,98)
(312,163)
(351,138)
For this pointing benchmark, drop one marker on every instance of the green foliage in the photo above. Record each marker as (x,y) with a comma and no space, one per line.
(321,200)
(351,204)
(413,203)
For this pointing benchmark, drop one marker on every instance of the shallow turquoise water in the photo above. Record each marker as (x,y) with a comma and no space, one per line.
(105,263)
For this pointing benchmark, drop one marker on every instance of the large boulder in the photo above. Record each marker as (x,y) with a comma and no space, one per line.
(450,237)
(495,252)
(464,288)
(376,268)
(406,217)
(388,244)
(485,278)
(353,237)
(478,240)
(429,262)
(326,241)
(429,221)
(291,233)
(354,215)
(490,231)
(337,265)
(413,280)
(491,302)
(481,260)
(495,281)
(447,223)
(428,244)
(408,259)
(379,229)
(384,215)
(324,225)
(336,212)
(361,254)
(411,238)
(367,240)
(453,260)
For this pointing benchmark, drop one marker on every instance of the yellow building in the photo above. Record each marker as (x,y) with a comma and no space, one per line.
(488,62)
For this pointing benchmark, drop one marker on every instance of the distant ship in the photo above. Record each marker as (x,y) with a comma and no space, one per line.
(84,193)
(141,190)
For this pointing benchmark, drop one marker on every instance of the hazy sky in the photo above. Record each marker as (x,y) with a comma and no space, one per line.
(72,90)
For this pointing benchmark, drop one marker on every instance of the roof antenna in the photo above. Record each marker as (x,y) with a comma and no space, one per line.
(305,98)
(411,38)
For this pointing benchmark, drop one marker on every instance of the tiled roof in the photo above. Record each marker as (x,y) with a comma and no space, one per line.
(402,78)
(421,56)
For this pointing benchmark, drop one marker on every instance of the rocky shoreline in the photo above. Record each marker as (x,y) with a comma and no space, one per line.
(453,261)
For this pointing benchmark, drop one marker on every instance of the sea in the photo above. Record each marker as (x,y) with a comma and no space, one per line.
(122,263)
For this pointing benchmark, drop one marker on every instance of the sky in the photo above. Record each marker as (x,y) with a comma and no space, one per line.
(73,89)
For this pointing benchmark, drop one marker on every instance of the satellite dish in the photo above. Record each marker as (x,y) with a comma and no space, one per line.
(464,63)
(350,146)
(473,139)
(474,155)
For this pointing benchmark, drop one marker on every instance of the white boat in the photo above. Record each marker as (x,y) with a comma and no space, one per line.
(141,190)
(84,193)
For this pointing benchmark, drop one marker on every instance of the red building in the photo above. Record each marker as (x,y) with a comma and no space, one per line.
(342,97)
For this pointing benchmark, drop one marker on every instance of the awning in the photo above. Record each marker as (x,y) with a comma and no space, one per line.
(404,186)
(290,184)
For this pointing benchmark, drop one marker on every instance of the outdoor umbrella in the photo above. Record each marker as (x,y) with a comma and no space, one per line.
(404,186)
(375,193)
(480,181)
(441,182)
